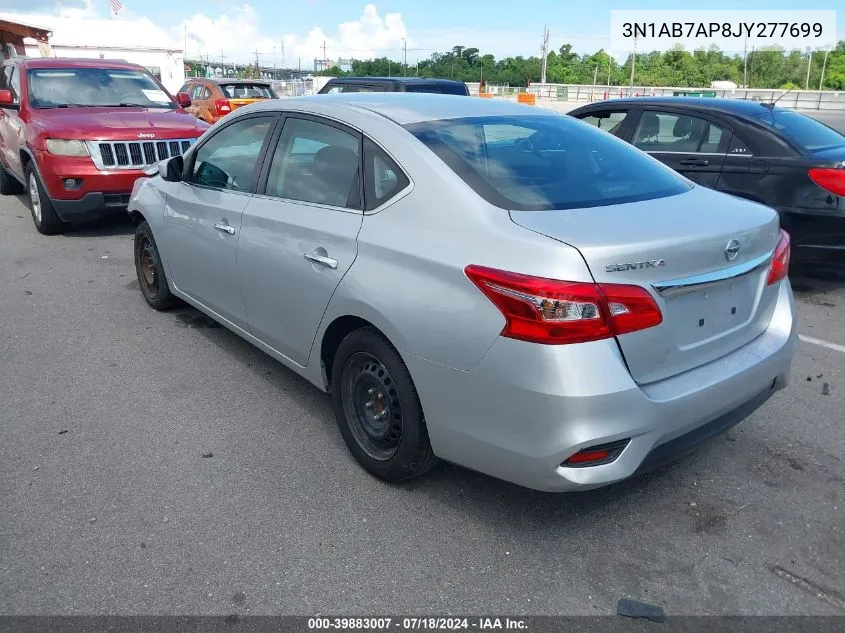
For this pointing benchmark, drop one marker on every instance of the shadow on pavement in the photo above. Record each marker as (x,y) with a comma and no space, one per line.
(118,224)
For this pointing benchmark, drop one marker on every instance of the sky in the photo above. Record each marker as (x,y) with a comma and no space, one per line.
(235,29)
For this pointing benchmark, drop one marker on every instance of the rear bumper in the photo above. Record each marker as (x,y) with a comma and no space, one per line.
(526,408)
(816,236)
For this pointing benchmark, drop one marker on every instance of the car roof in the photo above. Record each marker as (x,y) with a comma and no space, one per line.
(73,62)
(401,80)
(409,107)
(740,107)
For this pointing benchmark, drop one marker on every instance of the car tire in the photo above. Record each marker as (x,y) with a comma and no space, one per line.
(43,213)
(150,272)
(377,408)
(8,184)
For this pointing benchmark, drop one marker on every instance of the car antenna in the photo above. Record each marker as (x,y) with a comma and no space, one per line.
(772,104)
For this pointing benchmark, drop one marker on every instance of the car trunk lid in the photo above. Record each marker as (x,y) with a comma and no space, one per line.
(703,256)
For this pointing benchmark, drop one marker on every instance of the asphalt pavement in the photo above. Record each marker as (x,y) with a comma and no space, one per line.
(155,463)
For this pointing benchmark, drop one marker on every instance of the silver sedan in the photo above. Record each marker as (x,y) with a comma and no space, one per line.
(495,285)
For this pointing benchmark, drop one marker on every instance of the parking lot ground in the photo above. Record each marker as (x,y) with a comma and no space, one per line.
(156,463)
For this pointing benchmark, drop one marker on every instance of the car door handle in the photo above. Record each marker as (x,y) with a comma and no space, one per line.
(695,162)
(323,260)
(225,228)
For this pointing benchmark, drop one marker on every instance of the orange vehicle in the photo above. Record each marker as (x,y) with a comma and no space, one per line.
(212,99)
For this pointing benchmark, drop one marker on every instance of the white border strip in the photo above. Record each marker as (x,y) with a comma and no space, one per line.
(817,341)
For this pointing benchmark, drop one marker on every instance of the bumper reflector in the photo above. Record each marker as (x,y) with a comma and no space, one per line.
(596,455)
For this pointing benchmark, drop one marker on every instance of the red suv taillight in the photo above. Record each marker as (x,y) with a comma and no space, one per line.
(556,312)
(780,260)
(829,179)
(223,106)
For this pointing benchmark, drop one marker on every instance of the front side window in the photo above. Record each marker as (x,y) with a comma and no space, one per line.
(89,87)
(669,132)
(540,162)
(607,121)
(228,159)
(316,162)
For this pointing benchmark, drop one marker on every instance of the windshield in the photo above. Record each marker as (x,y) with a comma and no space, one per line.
(441,89)
(247,91)
(92,87)
(808,133)
(546,162)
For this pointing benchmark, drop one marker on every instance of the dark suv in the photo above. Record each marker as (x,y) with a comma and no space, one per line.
(394,84)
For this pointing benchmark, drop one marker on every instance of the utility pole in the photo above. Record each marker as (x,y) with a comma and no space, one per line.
(185,52)
(633,61)
(745,64)
(609,63)
(283,53)
(405,55)
(323,65)
(545,49)
(809,63)
(824,65)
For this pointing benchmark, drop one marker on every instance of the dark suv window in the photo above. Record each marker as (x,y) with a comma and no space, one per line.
(441,89)
(545,162)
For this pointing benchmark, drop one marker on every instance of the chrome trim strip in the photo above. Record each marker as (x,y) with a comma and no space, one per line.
(674,287)
(97,157)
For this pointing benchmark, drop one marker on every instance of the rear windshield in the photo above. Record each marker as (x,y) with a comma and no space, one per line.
(440,89)
(90,87)
(802,130)
(247,91)
(546,162)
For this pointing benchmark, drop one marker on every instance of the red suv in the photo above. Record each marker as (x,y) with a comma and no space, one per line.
(77,133)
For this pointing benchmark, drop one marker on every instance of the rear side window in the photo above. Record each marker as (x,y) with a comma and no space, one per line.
(805,131)
(607,121)
(670,132)
(316,162)
(545,162)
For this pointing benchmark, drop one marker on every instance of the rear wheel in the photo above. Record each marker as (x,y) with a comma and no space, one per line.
(377,408)
(8,185)
(43,214)
(150,272)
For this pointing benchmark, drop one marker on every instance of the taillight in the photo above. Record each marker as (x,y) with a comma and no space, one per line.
(780,259)
(830,179)
(556,312)
(223,106)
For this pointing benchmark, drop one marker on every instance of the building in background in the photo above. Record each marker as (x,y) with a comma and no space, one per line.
(14,34)
(138,42)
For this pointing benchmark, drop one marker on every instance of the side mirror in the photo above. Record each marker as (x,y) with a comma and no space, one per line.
(171,169)
(183,99)
(6,99)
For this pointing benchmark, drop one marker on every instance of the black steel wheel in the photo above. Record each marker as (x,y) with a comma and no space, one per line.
(371,405)
(377,408)
(151,277)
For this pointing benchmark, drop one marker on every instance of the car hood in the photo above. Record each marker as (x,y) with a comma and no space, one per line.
(117,123)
